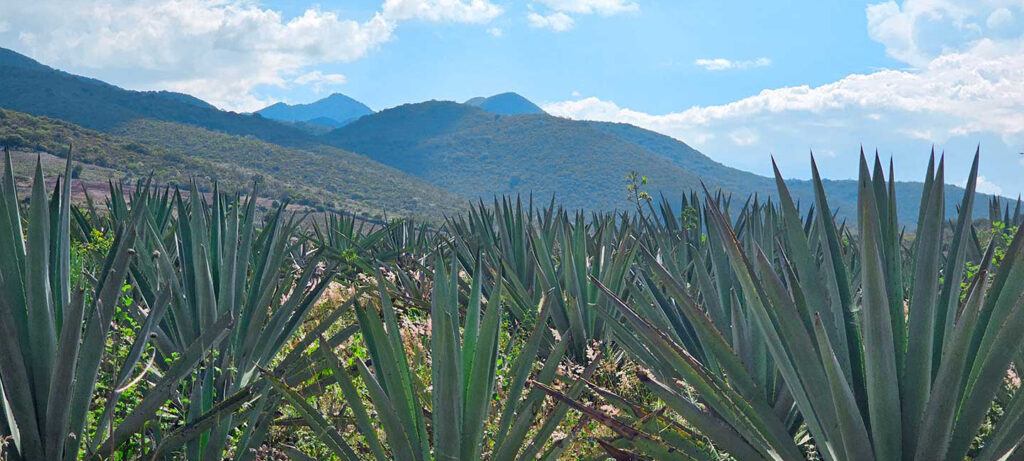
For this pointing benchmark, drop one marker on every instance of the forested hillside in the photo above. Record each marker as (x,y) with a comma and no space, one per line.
(174,153)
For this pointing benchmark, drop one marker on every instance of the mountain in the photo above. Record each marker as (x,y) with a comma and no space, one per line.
(506,104)
(174,153)
(10,58)
(333,111)
(177,136)
(182,97)
(842,193)
(417,159)
(30,87)
(477,153)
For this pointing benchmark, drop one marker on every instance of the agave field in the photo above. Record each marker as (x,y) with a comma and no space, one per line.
(172,324)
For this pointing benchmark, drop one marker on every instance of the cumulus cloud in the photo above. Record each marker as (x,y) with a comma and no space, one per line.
(495,31)
(218,50)
(726,64)
(984,186)
(918,31)
(956,94)
(983,92)
(602,7)
(465,11)
(558,22)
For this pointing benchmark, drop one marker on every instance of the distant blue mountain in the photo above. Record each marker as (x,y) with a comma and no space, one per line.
(333,111)
(506,104)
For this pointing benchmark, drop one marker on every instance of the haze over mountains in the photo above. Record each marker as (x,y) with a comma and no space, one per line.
(424,159)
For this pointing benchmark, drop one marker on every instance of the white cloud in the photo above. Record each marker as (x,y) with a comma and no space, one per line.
(958,93)
(986,93)
(558,22)
(987,187)
(495,31)
(999,17)
(320,80)
(558,17)
(918,31)
(984,186)
(216,50)
(602,7)
(219,50)
(744,137)
(465,11)
(726,64)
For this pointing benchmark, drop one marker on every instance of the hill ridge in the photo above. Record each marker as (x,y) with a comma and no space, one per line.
(334,111)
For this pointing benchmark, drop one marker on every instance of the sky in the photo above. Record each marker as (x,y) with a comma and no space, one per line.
(742,80)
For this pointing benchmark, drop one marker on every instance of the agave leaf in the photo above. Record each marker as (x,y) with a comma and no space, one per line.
(917,375)
(391,419)
(556,415)
(480,388)
(58,404)
(166,386)
(17,389)
(751,417)
(839,282)
(856,443)
(514,440)
(710,337)
(879,350)
(42,340)
(953,272)
(447,386)
(706,423)
(802,374)
(940,413)
(392,378)
(988,370)
(810,282)
(223,409)
(521,369)
(353,399)
(320,426)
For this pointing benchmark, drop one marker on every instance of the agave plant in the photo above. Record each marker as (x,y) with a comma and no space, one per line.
(463,357)
(549,253)
(209,280)
(54,333)
(232,267)
(910,370)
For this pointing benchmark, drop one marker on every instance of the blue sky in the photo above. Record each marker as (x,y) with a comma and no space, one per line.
(739,80)
(643,58)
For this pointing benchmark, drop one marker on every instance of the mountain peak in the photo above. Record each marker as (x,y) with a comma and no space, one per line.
(334,111)
(508,103)
(11,58)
